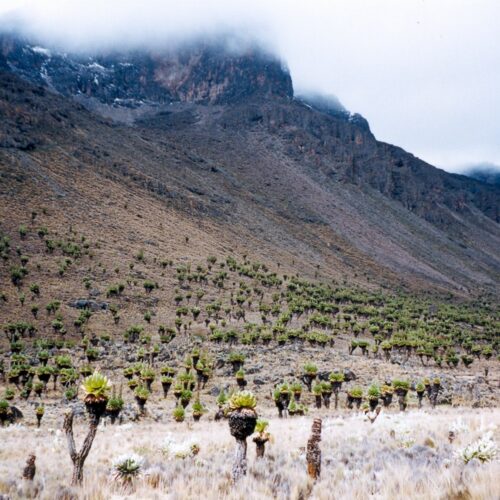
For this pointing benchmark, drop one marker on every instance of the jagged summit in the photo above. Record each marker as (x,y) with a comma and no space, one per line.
(207,72)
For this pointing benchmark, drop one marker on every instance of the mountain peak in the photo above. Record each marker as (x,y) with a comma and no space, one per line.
(201,72)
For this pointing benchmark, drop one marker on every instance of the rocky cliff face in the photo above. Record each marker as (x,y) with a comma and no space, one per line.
(209,74)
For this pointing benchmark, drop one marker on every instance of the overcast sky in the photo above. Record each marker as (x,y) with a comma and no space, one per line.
(425,73)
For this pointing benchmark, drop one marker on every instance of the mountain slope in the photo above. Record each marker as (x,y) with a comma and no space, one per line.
(226,156)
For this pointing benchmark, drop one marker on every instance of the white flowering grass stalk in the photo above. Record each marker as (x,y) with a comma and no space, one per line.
(404,436)
(172,449)
(458,426)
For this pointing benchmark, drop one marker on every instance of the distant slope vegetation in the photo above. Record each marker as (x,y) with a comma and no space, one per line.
(212,146)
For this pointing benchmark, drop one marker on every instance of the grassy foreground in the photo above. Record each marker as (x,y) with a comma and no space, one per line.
(401,455)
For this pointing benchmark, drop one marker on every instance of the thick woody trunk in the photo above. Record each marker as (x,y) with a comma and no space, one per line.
(420,395)
(434,394)
(240,459)
(401,399)
(313,454)
(260,445)
(241,425)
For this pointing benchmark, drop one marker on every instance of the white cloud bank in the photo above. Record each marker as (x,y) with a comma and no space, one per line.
(425,73)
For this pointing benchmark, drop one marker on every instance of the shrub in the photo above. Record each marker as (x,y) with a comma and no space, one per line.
(115,403)
(53,306)
(310,369)
(484,450)
(149,286)
(373,392)
(63,361)
(401,385)
(355,392)
(142,393)
(222,398)
(70,393)
(336,377)
(9,394)
(4,407)
(92,353)
(198,408)
(127,467)
(179,414)
(17,274)
(148,374)
(420,388)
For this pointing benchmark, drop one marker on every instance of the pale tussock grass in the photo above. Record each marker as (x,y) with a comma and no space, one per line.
(399,456)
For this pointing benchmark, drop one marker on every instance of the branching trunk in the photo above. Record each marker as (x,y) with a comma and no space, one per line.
(78,458)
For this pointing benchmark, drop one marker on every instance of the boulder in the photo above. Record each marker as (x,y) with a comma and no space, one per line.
(93,305)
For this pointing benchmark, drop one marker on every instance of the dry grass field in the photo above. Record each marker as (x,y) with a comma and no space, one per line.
(399,456)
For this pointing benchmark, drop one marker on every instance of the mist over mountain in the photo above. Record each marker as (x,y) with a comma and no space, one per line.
(485,172)
(438,81)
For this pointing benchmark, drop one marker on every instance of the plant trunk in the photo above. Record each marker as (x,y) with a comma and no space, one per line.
(420,395)
(313,454)
(280,407)
(336,399)
(260,445)
(326,399)
(141,403)
(318,401)
(434,394)
(240,459)
(387,400)
(78,458)
(113,415)
(402,401)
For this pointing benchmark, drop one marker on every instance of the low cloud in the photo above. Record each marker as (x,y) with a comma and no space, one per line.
(425,74)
